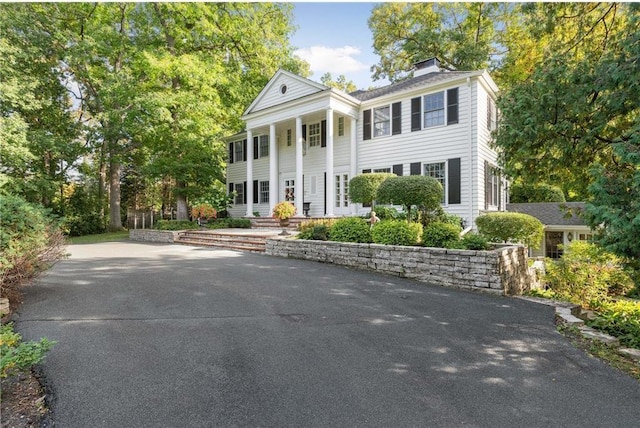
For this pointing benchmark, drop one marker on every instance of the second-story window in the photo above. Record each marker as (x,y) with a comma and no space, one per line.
(381,121)
(434,109)
(264,145)
(314,134)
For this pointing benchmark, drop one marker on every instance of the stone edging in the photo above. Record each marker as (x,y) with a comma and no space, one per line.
(153,235)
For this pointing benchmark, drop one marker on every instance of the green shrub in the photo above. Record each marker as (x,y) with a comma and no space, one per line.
(84,224)
(520,193)
(475,241)
(363,188)
(586,274)
(438,214)
(350,229)
(16,355)
(620,319)
(511,227)
(239,223)
(385,213)
(318,230)
(441,235)
(176,225)
(396,232)
(411,190)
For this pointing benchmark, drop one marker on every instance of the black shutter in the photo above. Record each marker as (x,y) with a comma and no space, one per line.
(323,133)
(304,131)
(230,152)
(325,193)
(397,169)
(244,150)
(255,192)
(396,118)
(416,114)
(453,176)
(416,168)
(366,124)
(255,148)
(231,189)
(452,106)
(366,171)
(244,192)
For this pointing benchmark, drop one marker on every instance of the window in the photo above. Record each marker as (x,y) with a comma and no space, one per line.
(264,192)
(585,237)
(238,153)
(437,171)
(341,126)
(381,121)
(314,134)
(289,190)
(239,193)
(493,186)
(382,170)
(264,145)
(491,113)
(434,109)
(288,138)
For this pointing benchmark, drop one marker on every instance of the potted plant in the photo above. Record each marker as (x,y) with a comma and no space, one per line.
(283,211)
(203,213)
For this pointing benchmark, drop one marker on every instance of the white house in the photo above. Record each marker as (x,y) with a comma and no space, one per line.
(304,141)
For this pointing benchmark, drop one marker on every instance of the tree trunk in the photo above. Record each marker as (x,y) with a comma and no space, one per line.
(102,180)
(115,220)
(181,202)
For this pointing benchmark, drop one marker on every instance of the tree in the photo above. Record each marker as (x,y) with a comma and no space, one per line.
(341,83)
(411,190)
(363,188)
(522,193)
(511,227)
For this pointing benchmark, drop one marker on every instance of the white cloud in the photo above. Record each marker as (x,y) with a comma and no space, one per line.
(336,61)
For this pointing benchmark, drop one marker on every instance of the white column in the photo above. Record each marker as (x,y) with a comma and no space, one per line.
(249,190)
(353,159)
(331,189)
(273,167)
(299,190)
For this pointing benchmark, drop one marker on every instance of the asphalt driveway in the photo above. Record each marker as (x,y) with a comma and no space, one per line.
(153,335)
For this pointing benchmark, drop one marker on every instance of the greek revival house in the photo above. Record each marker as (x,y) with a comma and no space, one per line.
(304,141)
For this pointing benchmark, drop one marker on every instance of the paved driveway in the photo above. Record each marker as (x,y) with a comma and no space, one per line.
(153,335)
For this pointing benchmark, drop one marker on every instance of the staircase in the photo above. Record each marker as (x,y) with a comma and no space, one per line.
(272,223)
(241,239)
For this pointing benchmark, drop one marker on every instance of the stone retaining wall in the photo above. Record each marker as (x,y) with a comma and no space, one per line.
(152,235)
(503,270)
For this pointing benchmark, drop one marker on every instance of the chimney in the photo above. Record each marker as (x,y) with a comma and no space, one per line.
(431,65)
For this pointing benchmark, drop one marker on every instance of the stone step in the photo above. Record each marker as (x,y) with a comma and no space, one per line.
(245,241)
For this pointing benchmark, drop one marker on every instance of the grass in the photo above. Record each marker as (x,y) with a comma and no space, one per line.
(101,237)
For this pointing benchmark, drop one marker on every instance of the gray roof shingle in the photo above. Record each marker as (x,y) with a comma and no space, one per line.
(409,84)
(552,213)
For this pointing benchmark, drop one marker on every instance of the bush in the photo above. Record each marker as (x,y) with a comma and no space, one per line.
(16,355)
(318,230)
(620,319)
(586,274)
(350,229)
(521,193)
(511,227)
(84,224)
(475,241)
(176,225)
(363,188)
(30,241)
(411,190)
(385,213)
(441,235)
(396,232)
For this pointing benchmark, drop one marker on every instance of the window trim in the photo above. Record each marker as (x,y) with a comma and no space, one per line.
(237,158)
(443,109)
(375,121)
(262,192)
(340,126)
(239,194)
(445,178)
(311,137)
(262,139)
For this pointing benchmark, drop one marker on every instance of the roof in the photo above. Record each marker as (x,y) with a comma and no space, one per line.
(552,213)
(413,83)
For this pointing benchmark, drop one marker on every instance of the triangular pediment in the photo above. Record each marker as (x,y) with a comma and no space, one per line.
(283,87)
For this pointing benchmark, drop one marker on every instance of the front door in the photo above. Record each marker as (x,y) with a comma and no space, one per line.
(289,187)
(341,202)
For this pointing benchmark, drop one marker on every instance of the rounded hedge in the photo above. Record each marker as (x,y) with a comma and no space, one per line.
(410,190)
(363,188)
(511,227)
(440,235)
(396,232)
(350,229)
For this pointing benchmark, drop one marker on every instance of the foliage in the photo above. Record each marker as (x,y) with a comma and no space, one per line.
(540,192)
(385,213)
(396,232)
(341,83)
(318,229)
(90,223)
(511,227)
(438,214)
(364,187)
(419,190)
(30,241)
(620,319)
(176,225)
(440,235)
(475,241)
(350,229)
(586,273)
(16,355)
(203,210)
(229,223)
(284,210)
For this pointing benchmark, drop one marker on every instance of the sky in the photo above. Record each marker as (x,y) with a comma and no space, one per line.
(334,37)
